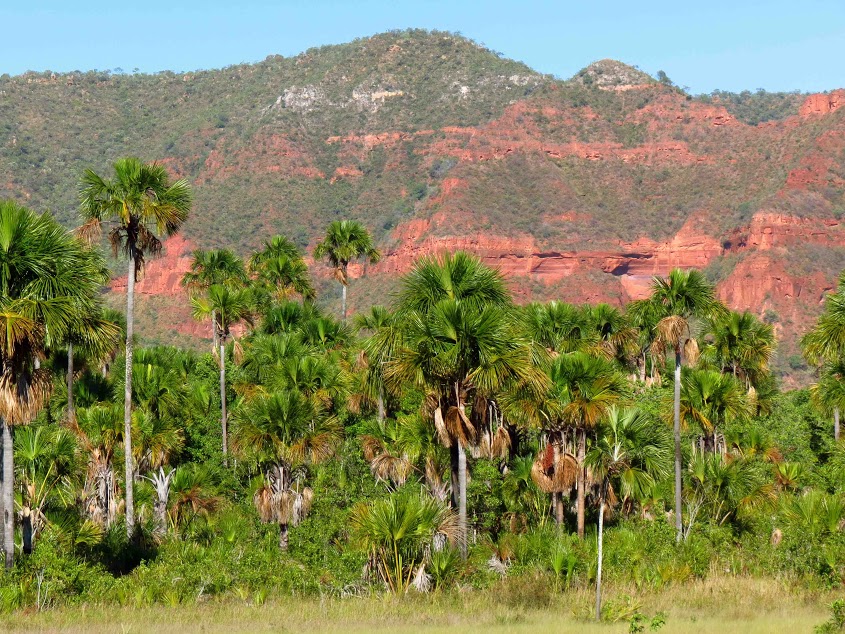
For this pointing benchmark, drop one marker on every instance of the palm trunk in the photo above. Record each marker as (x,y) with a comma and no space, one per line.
(223,413)
(343,302)
(462,498)
(213,329)
(8,494)
(381,410)
(836,424)
(283,537)
(600,553)
(127,399)
(557,497)
(679,524)
(582,480)
(643,368)
(454,478)
(71,414)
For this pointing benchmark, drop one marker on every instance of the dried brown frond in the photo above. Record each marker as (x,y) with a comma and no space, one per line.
(691,352)
(671,330)
(90,231)
(263,500)
(284,507)
(440,426)
(565,473)
(538,474)
(372,447)
(21,400)
(501,446)
(237,351)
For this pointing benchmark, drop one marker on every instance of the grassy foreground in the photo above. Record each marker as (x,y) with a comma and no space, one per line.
(723,605)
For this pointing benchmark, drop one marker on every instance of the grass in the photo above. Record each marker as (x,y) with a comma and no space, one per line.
(725,605)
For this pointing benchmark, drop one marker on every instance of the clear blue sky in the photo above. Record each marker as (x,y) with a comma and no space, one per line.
(776,44)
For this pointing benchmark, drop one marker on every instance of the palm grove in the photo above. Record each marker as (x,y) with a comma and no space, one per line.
(449,438)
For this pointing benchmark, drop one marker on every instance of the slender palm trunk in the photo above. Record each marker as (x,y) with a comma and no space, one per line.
(213,329)
(283,537)
(71,414)
(582,480)
(8,494)
(462,498)
(643,368)
(127,399)
(600,554)
(381,409)
(343,302)
(679,524)
(453,475)
(223,413)
(836,424)
(557,497)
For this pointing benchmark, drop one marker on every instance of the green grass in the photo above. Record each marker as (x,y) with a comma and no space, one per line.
(723,605)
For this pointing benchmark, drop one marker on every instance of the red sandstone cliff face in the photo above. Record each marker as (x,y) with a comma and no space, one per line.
(822,103)
(760,282)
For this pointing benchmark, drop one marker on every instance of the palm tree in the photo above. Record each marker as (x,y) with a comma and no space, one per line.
(93,349)
(216,266)
(346,241)
(741,345)
(824,345)
(46,469)
(630,453)
(397,532)
(276,247)
(828,392)
(99,430)
(282,432)
(675,302)
(280,272)
(710,399)
(49,282)
(378,349)
(139,200)
(590,385)
(459,341)
(228,306)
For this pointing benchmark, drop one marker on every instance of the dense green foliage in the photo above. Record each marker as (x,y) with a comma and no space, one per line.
(435,444)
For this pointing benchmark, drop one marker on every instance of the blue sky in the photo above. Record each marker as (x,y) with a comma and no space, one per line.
(776,45)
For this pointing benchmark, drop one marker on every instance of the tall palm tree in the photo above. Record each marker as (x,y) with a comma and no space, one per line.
(676,301)
(459,341)
(346,241)
(591,386)
(275,247)
(99,430)
(49,282)
(92,349)
(711,399)
(280,272)
(379,348)
(283,431)
(741,345)
(139,201)
(828,392)
(215,266)
(824,345)
(630,453)
(229,306)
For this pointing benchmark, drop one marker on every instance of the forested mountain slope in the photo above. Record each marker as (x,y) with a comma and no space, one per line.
(579,189)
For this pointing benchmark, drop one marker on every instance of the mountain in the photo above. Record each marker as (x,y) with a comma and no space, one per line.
(579,189)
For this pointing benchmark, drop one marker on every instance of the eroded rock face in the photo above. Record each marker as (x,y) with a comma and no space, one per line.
(821,104)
